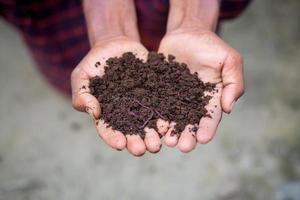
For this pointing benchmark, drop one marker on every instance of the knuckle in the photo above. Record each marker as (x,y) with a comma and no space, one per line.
(242,90)
(79,102)
(241,87)
(238,57)
(235,60)
(75,103)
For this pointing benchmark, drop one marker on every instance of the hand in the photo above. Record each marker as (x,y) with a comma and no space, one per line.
(214,61)
(84,101)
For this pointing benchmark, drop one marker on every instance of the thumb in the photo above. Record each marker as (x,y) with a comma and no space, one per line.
(82,99)
(233,80)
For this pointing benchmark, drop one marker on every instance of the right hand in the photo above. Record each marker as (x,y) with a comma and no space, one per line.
(84,101)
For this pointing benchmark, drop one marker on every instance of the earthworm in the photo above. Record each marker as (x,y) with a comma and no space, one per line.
(142,104)
(149,118)
(132,113)
(158,113)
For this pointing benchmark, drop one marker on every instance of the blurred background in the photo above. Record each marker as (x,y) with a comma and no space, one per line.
(50,151)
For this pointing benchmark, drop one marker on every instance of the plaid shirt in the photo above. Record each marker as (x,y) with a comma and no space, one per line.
(56,34)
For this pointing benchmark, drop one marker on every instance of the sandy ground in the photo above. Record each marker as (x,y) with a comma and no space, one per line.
(49,151)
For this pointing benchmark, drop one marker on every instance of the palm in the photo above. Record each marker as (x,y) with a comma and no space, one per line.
(100,53)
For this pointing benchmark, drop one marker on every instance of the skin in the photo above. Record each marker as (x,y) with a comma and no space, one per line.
(194,22)
(113,32)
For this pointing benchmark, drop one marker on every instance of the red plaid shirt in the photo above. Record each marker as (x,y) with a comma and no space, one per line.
(55,30)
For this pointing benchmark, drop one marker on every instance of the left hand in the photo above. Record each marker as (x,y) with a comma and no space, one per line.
(214,61)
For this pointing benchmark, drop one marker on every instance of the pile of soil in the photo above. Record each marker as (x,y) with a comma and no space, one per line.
(134,94)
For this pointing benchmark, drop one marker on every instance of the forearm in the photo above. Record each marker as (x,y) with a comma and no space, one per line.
(110,19)
(190,14)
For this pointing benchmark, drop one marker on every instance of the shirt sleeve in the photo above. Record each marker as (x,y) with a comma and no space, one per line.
(232,8)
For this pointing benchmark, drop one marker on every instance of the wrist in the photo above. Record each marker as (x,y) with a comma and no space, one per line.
(107,20)
(193,15)
(116,39)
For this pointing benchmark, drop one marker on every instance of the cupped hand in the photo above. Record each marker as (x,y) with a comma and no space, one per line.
(214,61)
(93,65)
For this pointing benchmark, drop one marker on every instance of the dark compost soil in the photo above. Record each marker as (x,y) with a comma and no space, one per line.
(133,94)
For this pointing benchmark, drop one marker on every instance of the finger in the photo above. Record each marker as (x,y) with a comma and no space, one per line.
(170,138)
(113,138)
(135,145)
(187,141)
(208,125)
(152,140)
(97,57)
(233,80)
(81,98)
(162,126)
